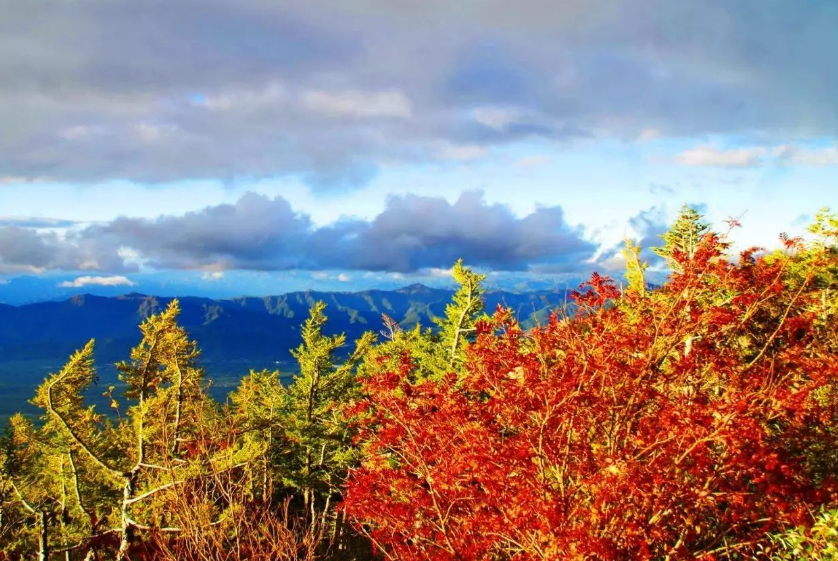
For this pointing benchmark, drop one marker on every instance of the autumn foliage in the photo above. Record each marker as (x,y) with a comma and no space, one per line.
(693,420)
(685,422)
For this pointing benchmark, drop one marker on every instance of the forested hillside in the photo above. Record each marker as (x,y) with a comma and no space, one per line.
(234,335)
(253,329)
(695,420)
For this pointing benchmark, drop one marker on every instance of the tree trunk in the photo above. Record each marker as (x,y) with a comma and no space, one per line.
(337,535)
(43,538)
(127,525)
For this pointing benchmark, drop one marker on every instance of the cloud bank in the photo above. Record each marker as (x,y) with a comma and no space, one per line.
(265,234)
(97,281)
(159,91)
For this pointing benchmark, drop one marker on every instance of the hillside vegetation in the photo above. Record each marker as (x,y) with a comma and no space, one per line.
(695,420)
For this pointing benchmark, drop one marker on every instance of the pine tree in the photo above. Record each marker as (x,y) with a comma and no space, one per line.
(256,408)
(141,456)
(683,238)
(462,313)
(635,267)
(316,431)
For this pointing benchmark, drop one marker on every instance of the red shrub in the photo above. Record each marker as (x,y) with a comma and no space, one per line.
(682,423)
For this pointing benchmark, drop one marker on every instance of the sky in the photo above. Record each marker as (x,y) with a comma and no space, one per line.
(259,146)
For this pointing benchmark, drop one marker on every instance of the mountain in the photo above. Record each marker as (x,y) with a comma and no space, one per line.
(253,329)
(234,334)
(29,289)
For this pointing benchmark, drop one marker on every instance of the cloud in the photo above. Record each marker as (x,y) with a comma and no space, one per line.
(717,157)
(26,250)
(645,230)
(97,281)
(648,135)
(35,222)
(329,91)
(759,155)
(353,103)
(533,161)
(661,189)
(259,233)
(255,233)
(496,117)
(807,156)
(462,152)
(416,232)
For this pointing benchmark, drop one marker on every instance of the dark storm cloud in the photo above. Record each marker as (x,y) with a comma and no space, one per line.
(260,233)
(160,91)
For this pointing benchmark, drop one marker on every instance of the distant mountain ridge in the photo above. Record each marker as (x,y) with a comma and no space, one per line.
(249,329)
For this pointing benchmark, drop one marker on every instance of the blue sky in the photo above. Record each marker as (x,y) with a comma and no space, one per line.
(258,147)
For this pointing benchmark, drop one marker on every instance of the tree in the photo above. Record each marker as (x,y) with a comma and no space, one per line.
(680,424)
(257,405)
(141,455)
(317,440)
(684,238)
(635,267)
(461,314)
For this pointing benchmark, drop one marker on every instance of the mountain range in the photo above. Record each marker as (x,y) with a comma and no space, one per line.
(234,334)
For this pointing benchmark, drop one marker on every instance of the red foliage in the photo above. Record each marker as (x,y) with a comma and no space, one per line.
(684,423)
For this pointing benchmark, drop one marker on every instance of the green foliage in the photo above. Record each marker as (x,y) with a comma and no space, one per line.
(461,313)
(171,467)
(635,267)
(683,238)
(317,437)
(816,543)
(825,227)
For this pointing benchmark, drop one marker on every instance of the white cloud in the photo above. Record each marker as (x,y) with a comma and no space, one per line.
(498,118)
(356,103)
(807,156)
(97,281)
(80,132)
(716,157)
(272,94)
(14,179)
(212,275)
(533,161)
(461,152)
(647,135)
(712,156)
(148,132)
(327,276)
(440,272)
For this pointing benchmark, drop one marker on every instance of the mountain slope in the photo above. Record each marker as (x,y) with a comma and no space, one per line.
(249,329)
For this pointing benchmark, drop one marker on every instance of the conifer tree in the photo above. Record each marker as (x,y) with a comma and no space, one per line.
(683,238)
(635,267)
(257,405)
(29,484)
(461,314)
(434,354)
(316,431)
(141,455)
